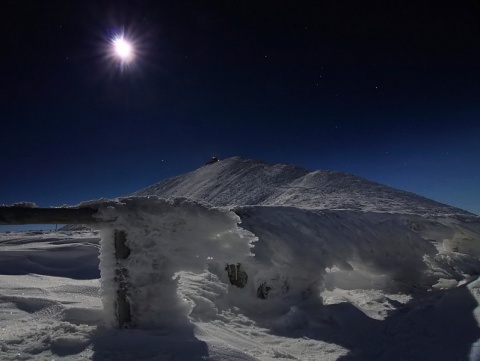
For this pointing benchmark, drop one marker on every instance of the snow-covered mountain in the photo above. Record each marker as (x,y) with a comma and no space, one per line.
(259,262)
(238,182)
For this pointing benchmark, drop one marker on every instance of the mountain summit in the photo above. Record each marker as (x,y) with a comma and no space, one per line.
(238,181)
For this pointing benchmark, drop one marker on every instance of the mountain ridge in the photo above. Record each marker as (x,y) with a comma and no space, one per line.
(241,181)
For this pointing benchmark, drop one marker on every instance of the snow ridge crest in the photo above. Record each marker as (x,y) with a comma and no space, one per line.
(239,181)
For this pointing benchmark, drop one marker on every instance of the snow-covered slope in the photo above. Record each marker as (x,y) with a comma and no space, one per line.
(259,262)
(238,181)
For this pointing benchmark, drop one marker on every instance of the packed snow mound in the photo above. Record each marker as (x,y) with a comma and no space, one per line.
(321,249)
(280,254)
(238,181)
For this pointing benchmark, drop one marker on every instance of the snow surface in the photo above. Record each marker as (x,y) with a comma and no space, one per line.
(326,280)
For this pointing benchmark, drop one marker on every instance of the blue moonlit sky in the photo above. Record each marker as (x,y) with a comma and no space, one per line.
(389,91)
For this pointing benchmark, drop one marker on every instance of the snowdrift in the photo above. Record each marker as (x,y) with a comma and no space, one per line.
(268,259)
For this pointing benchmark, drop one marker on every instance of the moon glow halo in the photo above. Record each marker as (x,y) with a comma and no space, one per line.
(122,49)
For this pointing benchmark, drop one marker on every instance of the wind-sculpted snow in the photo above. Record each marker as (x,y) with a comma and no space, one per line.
(288,254)
(315,284)
(351,250)
(165,237)
(238,182)
(57,254)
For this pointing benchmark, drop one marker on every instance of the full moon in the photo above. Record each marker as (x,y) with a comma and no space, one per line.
(123,49)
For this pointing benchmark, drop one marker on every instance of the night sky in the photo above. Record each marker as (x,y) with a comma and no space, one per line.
(387,90)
